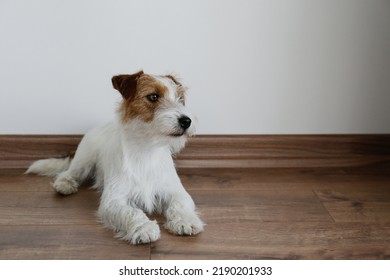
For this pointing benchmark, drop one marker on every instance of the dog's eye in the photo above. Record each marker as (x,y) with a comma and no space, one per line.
(153,97)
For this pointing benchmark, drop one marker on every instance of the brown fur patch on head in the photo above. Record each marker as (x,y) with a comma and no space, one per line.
(126,84)
(136,88)
(139,105)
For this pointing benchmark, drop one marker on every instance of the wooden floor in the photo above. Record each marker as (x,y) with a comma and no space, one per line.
(319,213)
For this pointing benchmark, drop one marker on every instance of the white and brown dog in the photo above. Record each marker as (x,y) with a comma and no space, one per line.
(131,161)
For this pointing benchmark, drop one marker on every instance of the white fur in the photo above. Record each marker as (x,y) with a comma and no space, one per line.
(133,168)
(49,167)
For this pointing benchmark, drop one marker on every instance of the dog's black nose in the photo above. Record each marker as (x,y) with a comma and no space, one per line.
(184,122)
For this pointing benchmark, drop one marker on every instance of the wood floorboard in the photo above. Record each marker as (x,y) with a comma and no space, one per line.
(358,191)
(260,205)
(359,211)
(274,240)
(251,213)
(65,242)
(15,181)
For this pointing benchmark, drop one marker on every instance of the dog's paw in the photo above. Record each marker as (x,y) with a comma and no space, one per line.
(148,232)
(185,226)
(65,185)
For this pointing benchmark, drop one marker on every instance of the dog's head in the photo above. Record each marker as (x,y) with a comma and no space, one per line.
(155,104)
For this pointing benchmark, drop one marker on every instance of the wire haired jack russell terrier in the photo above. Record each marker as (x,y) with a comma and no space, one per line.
(131,161)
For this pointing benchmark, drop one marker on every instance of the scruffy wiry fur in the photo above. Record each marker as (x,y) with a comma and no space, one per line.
(131,161)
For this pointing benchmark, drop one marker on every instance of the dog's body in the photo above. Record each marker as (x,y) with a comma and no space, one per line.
(131,161)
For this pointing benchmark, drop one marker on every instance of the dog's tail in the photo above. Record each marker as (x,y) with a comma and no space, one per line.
(49,167)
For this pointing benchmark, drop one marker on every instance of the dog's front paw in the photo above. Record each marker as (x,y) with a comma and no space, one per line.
(148,232)
(191,225)
(65,185)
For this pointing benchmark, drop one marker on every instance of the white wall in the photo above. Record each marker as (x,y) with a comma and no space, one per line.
(252,66)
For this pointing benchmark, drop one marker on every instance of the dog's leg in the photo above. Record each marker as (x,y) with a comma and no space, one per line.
(182,218)
(80,168)
(129,222)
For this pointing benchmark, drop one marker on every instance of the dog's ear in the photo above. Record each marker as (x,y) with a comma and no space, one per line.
(126,84)
(174,79)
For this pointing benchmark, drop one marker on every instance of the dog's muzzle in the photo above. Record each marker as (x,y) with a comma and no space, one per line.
(184,122)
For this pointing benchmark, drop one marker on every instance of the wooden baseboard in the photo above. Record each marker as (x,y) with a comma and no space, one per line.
(225,151)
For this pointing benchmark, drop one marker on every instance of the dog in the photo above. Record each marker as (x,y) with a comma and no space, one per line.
(130,160)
